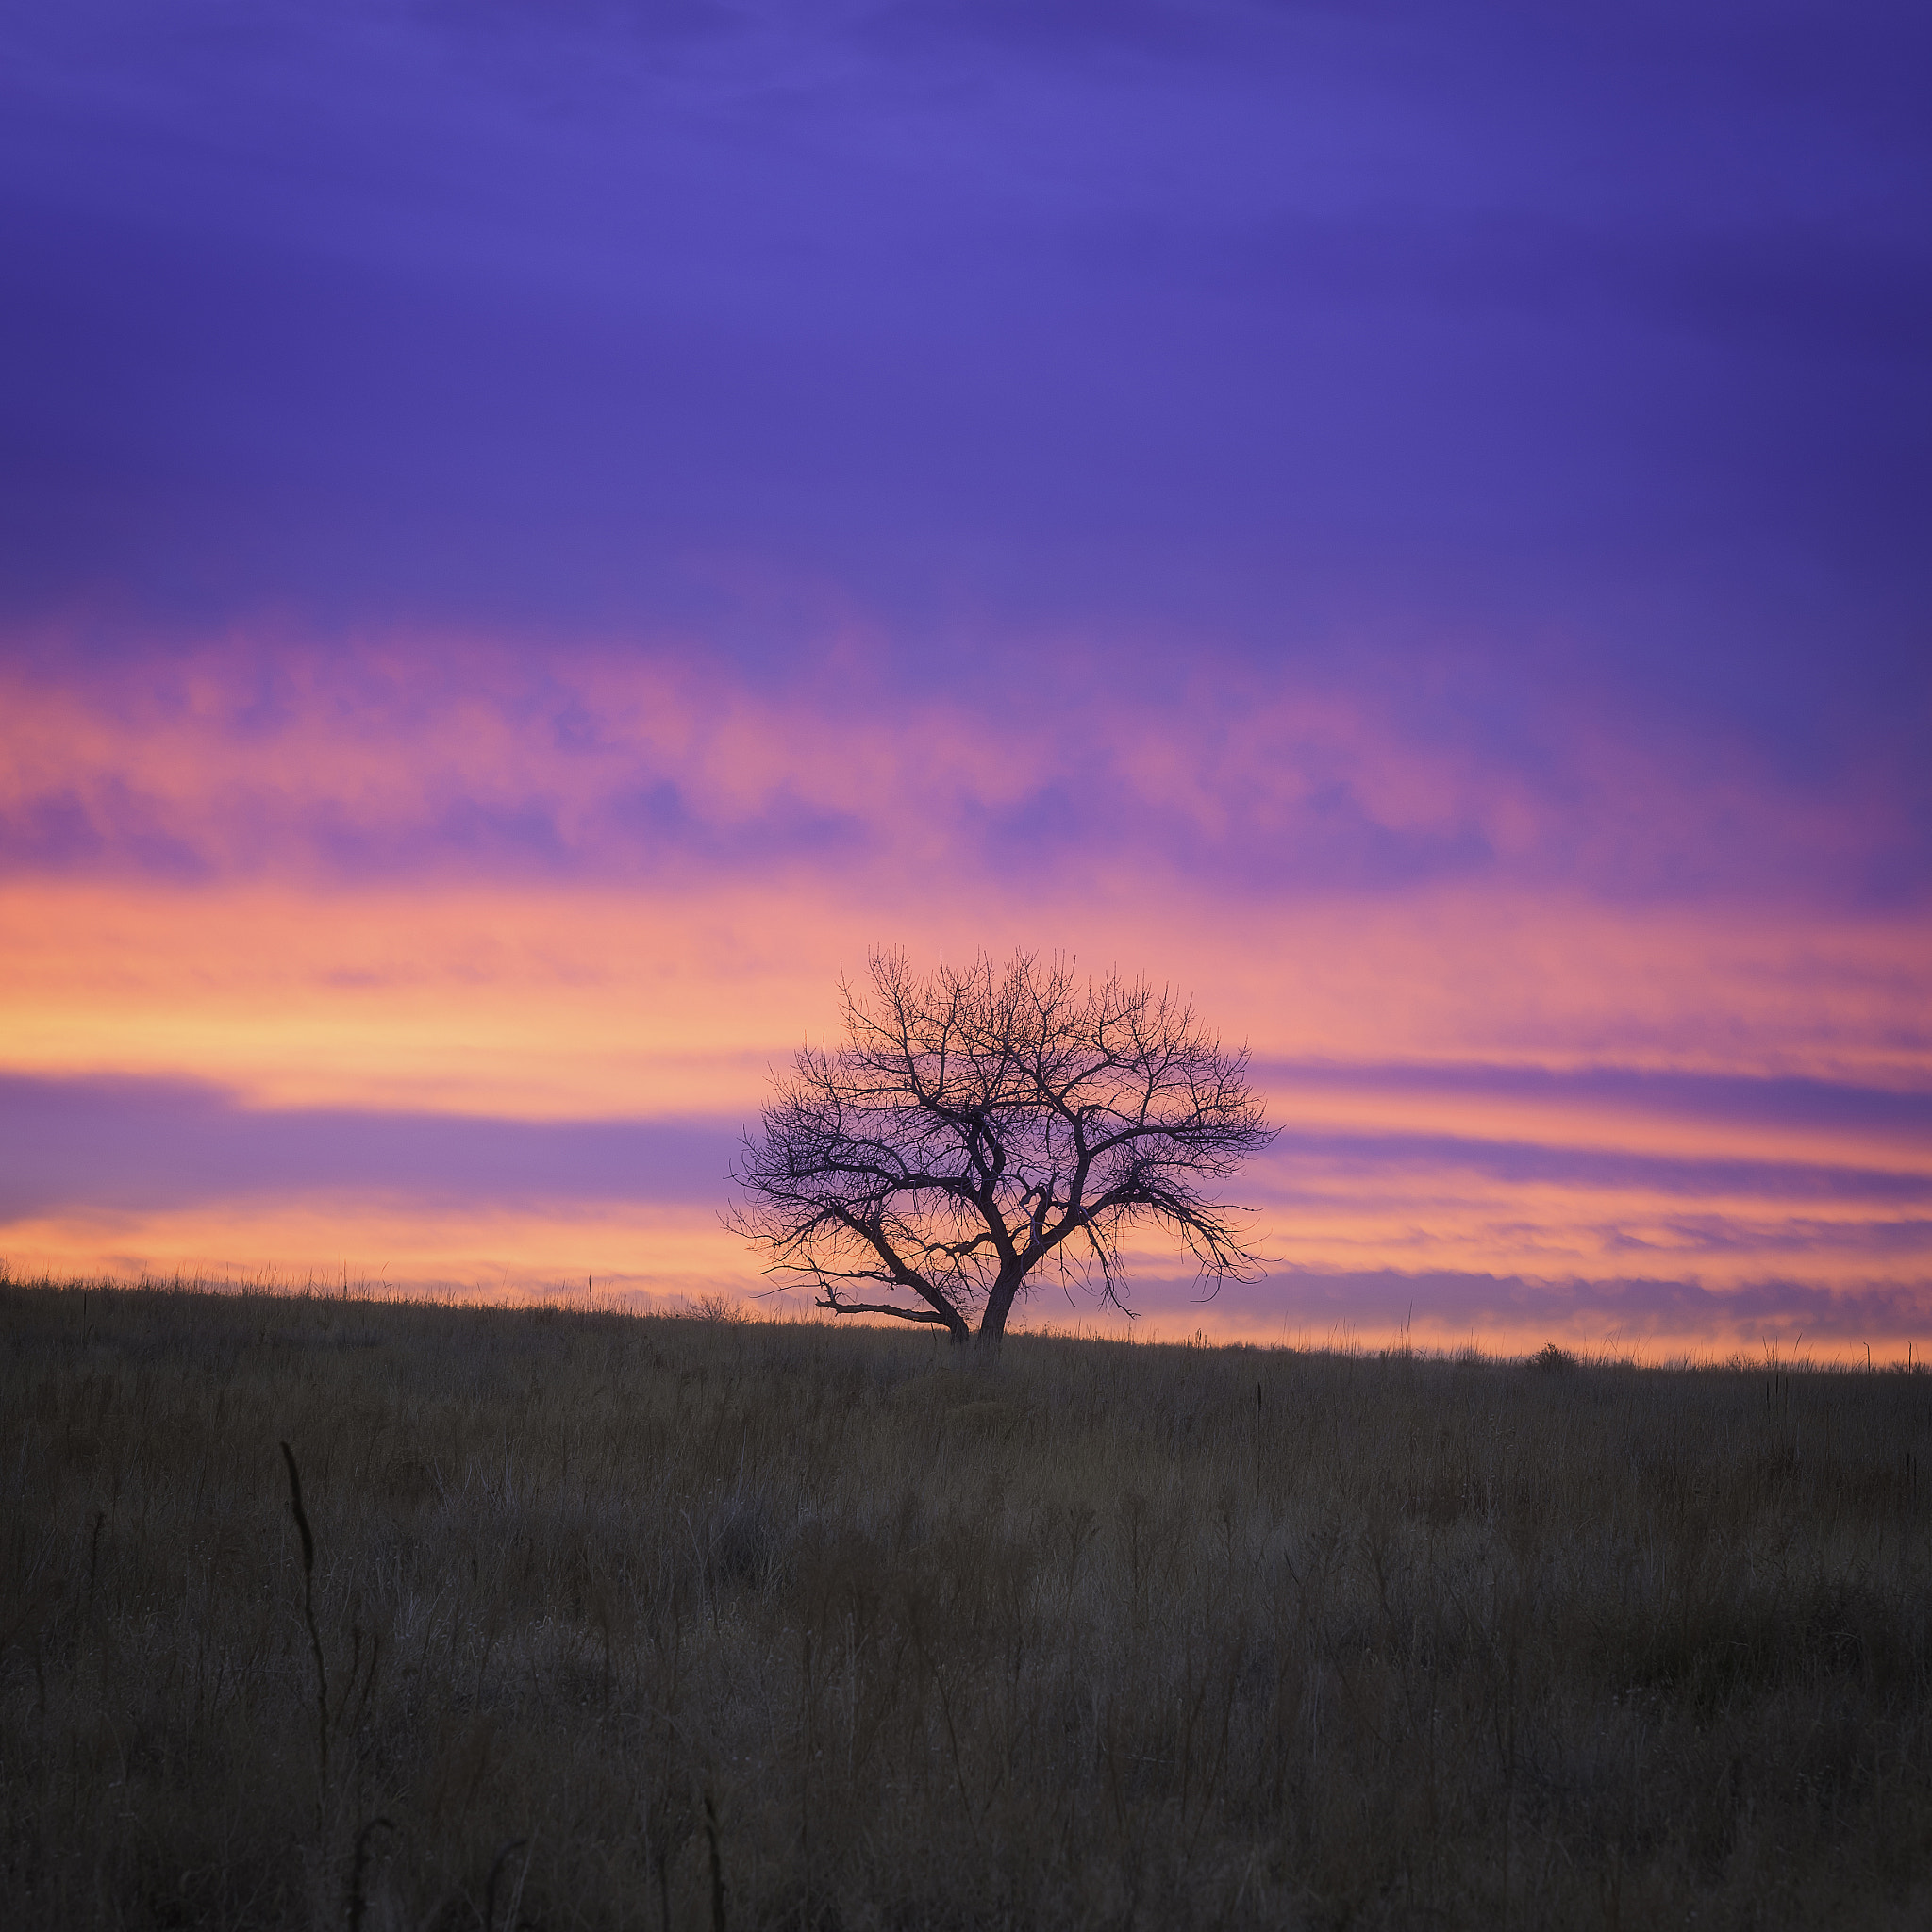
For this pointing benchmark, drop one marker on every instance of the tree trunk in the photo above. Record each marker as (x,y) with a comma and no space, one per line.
(992,1324)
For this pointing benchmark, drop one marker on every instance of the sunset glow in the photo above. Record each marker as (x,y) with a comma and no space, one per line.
(449,754)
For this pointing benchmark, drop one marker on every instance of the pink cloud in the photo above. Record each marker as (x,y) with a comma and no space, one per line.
(448,757)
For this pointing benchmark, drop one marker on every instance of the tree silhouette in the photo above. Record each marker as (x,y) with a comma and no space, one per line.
(979,1127)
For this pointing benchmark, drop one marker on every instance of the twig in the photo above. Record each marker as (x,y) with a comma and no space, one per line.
(309,1616)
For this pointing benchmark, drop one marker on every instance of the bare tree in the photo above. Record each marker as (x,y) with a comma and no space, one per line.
(979,1127)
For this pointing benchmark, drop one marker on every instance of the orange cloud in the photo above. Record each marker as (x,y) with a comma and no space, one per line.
(468,884)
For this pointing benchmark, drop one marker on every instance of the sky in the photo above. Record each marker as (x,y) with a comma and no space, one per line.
(533,537)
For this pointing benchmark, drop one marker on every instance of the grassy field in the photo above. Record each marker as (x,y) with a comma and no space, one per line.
(623,1622)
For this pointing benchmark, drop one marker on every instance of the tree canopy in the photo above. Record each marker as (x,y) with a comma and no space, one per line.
(982,1127)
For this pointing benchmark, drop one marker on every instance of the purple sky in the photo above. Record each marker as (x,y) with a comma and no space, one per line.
(1590,350)
(1284,454)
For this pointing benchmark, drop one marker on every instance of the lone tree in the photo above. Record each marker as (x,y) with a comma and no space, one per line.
(978,1126)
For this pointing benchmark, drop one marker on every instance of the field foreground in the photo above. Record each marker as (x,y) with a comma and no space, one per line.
(632,1621)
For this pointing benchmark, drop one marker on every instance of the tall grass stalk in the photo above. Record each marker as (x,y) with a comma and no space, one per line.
(307,1537)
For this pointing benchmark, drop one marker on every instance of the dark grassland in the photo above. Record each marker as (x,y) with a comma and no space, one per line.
(625,1620)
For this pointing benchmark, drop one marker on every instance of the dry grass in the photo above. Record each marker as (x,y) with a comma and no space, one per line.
(620,1617)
